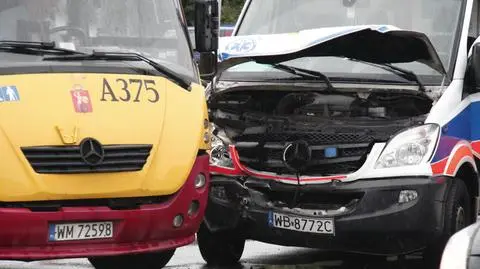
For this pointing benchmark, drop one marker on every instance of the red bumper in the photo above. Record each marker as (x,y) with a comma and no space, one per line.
(24,234)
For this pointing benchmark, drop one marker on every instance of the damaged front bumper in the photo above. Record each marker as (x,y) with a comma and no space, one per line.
(384,216)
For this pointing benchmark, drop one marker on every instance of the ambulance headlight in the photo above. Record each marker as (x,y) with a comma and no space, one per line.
(220,153)
(411,147)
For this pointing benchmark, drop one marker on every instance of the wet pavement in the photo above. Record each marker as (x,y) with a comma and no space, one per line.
(256,256)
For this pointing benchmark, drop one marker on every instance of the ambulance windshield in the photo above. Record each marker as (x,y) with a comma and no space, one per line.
(438,19)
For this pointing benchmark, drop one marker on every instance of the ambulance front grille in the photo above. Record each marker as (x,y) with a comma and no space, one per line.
(264,152)
(68,159)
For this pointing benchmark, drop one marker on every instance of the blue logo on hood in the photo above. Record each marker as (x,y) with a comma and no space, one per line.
(241,46)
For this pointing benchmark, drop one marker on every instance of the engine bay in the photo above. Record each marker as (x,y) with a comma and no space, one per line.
(261,123)
(307,106)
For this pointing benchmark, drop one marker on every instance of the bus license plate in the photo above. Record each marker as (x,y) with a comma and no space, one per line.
(301,224)
(80,231)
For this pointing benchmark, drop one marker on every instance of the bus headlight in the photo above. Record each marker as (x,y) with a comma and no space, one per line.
(200,181)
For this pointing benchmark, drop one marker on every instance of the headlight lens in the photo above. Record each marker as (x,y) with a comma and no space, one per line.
(220,153)
(411,147)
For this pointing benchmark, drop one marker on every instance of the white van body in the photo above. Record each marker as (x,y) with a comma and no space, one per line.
(337,63)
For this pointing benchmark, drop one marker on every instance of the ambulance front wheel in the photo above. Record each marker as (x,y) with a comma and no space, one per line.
(457,215)
(220,248)
(155,260)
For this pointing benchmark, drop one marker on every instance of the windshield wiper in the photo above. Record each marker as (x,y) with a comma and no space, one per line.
(34,48)
(125,56)
(304,73)
(403,73)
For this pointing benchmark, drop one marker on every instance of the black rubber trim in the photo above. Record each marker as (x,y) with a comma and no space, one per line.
(112,203)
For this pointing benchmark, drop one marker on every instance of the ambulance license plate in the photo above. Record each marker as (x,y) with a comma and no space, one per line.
(80,231)
(301,224)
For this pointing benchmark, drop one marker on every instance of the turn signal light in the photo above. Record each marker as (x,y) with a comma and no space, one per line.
(206,137)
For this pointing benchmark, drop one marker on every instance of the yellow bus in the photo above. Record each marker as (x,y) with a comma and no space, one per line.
(104,130)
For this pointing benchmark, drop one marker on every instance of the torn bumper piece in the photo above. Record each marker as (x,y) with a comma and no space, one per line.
(383,217)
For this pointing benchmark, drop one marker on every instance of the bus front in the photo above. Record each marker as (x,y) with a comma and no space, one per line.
(103,132)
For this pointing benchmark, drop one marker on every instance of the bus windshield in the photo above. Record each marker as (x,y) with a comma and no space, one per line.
(154,28)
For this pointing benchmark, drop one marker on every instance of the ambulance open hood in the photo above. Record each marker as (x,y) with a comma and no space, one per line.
(372,43)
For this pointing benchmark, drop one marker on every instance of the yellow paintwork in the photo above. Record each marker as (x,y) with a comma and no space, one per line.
(45,115)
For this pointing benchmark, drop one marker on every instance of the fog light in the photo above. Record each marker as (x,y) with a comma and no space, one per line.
(200,181)
(193,209)
(178,221)
(219,192)
(407,196)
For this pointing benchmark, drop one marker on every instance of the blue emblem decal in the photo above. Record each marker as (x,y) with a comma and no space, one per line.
(241,46)
(383,29)
(331,152)
(51,232)
(9,94)
(270,219)
(223,56)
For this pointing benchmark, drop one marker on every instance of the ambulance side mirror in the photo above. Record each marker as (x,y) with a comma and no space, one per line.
(472,74)
(207,24)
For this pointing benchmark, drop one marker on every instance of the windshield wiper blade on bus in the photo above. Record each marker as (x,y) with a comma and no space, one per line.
(34,48)
(403,73)
(125,56)
(304,73)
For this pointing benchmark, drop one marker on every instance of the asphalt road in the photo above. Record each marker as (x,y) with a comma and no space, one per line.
(256,256)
